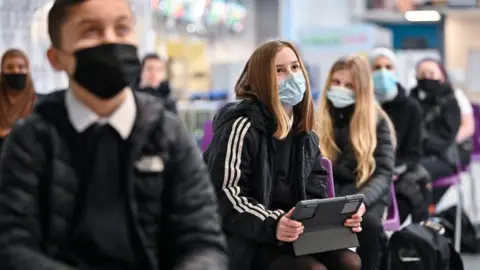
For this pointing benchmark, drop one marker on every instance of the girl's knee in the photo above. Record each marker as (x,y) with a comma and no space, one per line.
(309,263)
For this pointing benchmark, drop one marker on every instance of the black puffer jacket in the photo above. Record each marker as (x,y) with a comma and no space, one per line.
(439,132)
(174,212)
(164,93)
(378,186)
(241,160)
(406,115)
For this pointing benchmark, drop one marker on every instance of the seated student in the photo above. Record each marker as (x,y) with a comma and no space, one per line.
(357,135)
(98,177)
(17,93)
(153,81)
(411,188)
(264,158)
(441,121)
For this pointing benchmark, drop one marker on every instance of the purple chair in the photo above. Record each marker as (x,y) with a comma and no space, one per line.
(392,223)
(454,180)
(327,164)
(207,135)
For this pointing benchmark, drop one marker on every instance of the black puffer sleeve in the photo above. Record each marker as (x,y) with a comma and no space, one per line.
(230,158)
(379,183)
(22,165)
(195,234)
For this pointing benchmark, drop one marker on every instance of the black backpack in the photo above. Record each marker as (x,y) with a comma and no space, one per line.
(421,247)
(470,241)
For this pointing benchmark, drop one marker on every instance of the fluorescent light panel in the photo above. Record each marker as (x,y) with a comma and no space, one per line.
(422,16)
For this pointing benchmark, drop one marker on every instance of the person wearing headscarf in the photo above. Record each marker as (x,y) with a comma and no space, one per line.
(405,113)
(17,93)
(441,119)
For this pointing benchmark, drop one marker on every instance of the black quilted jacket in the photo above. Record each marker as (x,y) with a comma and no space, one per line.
(241,160)
(174,211)
(378,186)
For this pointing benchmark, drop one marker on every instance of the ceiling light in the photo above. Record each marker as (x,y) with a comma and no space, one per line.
(422,16)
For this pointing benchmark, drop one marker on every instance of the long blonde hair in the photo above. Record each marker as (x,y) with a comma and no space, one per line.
(259,80)
(363,125)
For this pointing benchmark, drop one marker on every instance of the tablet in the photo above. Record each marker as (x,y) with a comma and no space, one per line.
(324,220)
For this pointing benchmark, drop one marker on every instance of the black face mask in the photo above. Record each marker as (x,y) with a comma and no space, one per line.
(16,81)
(431,86)
(105,70)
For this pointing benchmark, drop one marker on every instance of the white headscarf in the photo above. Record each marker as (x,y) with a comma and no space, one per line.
(377,52)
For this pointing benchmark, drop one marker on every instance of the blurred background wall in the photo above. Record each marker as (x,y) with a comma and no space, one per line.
(207,42)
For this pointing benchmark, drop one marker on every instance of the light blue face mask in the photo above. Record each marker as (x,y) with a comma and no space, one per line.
(385,84)
(292,89)
(340,96)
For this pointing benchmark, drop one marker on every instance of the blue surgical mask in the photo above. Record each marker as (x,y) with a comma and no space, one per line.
(385,84)
(292,89)
(340,96)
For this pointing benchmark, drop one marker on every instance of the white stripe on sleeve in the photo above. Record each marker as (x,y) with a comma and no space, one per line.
(232,174)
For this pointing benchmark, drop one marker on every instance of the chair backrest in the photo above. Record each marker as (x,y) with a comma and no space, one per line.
(476,134)
(207,135)
(327,164)
(393,209)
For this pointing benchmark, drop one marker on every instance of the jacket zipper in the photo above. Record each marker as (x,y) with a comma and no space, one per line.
(269,193)
(303,184)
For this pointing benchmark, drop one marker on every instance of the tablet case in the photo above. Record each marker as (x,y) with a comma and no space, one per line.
(325,231)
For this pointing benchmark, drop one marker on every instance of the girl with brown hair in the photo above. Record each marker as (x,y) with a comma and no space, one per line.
(264,158)
(17,93)
(357,135)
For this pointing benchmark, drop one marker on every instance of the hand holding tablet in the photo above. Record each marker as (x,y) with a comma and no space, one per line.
(288,230)
(355,222)
(328,224)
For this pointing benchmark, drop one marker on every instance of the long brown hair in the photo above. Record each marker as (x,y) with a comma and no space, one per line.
(363,126)
(14,104)
(259,80)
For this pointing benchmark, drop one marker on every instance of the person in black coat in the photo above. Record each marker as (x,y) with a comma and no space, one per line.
(441,119)
(264,158)
(99,177)
(357,135)
(411,189)
(153,81)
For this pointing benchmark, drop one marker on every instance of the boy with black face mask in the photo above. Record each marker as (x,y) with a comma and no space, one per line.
(153,81)
(99,177)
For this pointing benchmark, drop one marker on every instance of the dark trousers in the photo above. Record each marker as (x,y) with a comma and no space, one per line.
(414,193)
(372,237)
(283,258)
(437,168)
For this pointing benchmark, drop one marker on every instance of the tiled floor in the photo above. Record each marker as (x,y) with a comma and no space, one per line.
(472,262)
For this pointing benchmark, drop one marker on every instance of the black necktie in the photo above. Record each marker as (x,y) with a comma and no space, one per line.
(106,202)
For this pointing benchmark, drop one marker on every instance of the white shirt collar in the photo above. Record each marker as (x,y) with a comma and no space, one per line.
(82,117)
